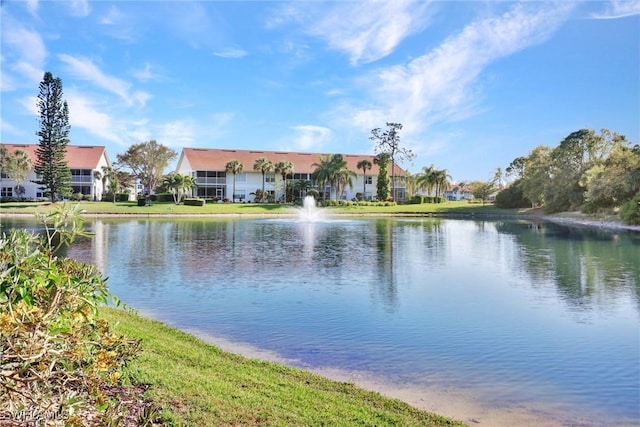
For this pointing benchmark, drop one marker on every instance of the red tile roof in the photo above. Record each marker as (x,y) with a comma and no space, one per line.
(78,156)
(216,159)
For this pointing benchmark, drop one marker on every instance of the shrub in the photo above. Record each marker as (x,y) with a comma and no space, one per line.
(512,197)
(56,353)
(194,202)
(76,197)
(630,211)
(417,200)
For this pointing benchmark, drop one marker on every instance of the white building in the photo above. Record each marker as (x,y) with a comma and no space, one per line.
(207,166)
(83,161)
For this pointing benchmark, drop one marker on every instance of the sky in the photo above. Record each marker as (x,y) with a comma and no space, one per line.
(474,84)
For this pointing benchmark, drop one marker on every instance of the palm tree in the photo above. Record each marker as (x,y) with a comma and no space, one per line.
(284,168)
(302,187)
(410,184)
(333,169)
(498,178)
(16,166)
(173,182)
(234,167)
(337,165)
(426,179)
(188,184)
(364,165)
(442,180)
(109,175)
(263,165)
(322,173)
(344,177)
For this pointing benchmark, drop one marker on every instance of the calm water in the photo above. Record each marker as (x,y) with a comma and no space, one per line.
(517,312)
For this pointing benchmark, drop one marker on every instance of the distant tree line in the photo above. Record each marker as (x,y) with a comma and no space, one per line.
(587,171)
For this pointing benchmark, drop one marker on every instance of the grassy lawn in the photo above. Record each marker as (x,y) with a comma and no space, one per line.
(196,383)
(168,208)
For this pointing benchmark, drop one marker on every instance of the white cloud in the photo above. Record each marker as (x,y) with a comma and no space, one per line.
(146,73)
(24,53)
(119,25)
(84,114)
(178,133)
(85,69)
(310,137)
(442,84)
(289,12)
(112,17)
(32,7)
(30,104)
(8,128)
(231,53)
(79,8)
(364,30)
(619,9)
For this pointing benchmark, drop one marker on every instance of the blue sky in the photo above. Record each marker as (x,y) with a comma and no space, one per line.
(475,84)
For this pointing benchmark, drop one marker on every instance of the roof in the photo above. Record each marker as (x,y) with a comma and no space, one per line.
(78,156)
(216,159)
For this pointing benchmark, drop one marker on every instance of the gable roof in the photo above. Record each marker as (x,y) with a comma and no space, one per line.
(77,157)
(216,159)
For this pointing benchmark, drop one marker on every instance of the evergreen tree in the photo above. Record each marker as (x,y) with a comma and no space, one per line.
(383,184)
(388,141)
(51,165)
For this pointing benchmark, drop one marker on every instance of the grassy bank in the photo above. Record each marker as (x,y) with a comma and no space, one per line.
(168,208)
(196,383)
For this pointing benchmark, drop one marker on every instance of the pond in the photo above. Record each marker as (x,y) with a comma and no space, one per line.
(515,314)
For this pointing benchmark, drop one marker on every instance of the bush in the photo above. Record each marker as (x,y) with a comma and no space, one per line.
(161,197)
(512,197)
(122,197)
(56,354)
(76,197)
(630,211)
(417,200)
(194,202)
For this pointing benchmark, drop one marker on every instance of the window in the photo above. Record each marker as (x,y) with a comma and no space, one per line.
(83,189)
(6,192)
(240,195)
(270,177)
(80,175)
(369,180)
(241,177)
(210,177)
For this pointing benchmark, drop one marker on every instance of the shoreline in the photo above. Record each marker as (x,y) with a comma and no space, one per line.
(462,404)
(572,219)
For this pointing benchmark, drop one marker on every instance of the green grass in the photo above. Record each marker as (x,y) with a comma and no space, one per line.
(196,383)
(168,208)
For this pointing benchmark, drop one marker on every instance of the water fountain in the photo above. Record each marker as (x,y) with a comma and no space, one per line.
(309,211)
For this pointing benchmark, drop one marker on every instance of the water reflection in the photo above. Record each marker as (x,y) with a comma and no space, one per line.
(545,312)
(589,267)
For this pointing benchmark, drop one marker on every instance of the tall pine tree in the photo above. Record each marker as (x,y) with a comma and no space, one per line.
(51,165)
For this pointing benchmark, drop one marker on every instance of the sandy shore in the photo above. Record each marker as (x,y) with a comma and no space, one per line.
(461,404)
(582,220)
